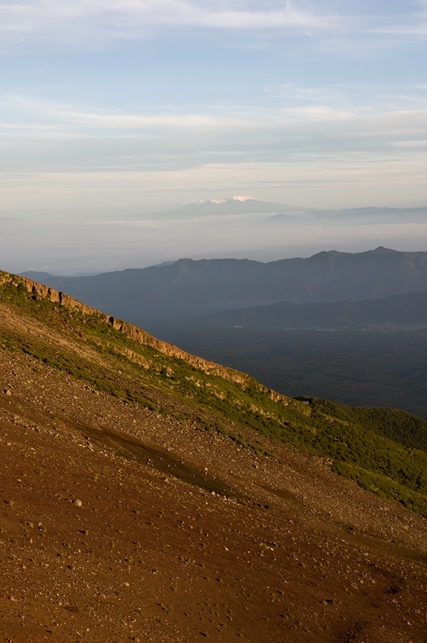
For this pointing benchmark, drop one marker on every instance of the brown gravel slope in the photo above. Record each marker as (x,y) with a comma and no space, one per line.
(120,524)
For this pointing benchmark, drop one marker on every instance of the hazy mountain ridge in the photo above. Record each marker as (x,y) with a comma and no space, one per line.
(246,205)
(188,288)
(405,309)
(375,213)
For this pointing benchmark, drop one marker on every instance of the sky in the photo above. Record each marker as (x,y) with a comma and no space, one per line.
(112,111)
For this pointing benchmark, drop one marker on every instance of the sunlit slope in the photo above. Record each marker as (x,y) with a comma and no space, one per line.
(394,424)
(130,364)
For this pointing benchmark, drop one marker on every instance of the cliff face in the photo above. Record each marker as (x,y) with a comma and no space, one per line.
(44,292)
(131,331)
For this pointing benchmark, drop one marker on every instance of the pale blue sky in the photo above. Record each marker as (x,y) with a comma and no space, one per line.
(112,109)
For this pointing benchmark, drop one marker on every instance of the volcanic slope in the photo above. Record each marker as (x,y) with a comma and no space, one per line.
(150,495)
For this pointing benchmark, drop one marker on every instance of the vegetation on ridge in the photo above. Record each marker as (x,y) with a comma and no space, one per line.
(374,447)
(394,424)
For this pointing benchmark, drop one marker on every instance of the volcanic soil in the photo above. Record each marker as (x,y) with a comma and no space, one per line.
(120,524)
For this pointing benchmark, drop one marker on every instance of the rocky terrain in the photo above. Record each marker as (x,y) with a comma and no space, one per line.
(128,520)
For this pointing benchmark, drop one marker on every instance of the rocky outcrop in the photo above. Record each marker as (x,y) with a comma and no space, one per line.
(44,292)
(134,333)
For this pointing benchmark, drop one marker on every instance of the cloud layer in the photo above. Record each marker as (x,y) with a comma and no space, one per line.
(82,20)
(115,16)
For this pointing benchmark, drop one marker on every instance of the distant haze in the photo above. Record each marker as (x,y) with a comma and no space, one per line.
(239,227)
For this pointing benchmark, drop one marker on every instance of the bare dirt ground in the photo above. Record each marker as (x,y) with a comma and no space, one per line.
(119,524)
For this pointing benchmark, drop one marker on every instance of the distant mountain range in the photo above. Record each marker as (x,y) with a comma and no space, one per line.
(188,288)
(285,213)
(373,214)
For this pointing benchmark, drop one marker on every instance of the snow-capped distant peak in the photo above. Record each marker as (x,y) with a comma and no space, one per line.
(240,199)
(238,206)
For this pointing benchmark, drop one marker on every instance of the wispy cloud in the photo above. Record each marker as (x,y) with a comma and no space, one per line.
(93,23)
(127,18)
(132,18)
(354,98)
(102,138)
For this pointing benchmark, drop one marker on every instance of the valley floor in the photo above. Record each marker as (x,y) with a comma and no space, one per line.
(354,367)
